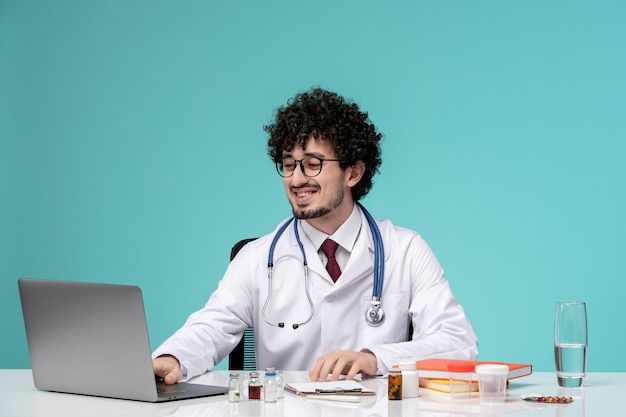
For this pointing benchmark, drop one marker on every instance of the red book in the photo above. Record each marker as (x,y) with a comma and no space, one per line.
(438,368)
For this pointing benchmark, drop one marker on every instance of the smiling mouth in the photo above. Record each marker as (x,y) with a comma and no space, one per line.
(303,195)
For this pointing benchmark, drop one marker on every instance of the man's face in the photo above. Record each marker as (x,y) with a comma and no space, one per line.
(321,197)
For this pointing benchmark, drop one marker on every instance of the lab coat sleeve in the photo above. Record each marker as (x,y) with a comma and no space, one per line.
(211,333)
(440,325)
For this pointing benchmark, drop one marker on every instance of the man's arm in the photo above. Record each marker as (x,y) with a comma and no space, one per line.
(210,334)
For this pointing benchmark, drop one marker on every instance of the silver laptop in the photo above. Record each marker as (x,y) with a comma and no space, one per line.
(92,339)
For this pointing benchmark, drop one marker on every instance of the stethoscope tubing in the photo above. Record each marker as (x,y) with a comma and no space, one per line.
(379,270)
(379,255)
(270,267)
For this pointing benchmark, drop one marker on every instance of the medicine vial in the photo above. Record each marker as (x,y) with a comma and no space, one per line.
(394,391)
(254,387)
(234,388)
(410,379)
(270,387)
(280,385)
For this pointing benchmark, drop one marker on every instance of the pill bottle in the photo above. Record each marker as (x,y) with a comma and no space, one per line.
(394,390)
(410,379)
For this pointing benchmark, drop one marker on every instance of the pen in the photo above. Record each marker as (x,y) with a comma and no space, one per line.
(337,390)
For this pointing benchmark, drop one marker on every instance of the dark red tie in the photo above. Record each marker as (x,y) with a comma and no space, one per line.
(329,247)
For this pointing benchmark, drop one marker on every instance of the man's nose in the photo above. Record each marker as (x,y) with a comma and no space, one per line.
(298,176)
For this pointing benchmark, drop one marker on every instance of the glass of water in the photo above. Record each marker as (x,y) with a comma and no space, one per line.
(570,343)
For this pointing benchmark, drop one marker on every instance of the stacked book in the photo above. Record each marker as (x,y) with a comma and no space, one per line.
(434,373)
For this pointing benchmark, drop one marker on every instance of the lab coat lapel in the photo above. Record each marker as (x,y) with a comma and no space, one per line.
(313,258)
(361,262)
(314,262)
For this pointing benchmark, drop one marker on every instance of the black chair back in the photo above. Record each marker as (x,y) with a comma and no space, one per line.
(243,357)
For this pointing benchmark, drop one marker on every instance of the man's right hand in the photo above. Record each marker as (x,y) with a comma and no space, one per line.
(168,368)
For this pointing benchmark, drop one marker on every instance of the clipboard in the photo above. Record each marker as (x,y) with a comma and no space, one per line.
(321,389)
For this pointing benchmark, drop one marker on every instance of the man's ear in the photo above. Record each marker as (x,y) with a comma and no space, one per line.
(355,173)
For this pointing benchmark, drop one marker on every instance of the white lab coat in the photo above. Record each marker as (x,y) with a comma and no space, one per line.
(414,289)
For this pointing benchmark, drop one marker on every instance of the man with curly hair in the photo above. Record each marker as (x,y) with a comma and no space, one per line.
(327,152)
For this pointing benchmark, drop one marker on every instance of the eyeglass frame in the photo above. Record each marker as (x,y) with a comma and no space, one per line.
(300,162)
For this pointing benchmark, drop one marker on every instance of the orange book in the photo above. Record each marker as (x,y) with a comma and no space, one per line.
(438,368)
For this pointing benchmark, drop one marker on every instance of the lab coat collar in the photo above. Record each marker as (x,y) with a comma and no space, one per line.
(345,236)
(361,261)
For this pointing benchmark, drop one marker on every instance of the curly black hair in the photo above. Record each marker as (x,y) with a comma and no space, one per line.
(326,115)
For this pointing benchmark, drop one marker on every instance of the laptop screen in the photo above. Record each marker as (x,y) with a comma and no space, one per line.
(88,338)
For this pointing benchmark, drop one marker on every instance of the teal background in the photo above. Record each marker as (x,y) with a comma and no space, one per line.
(132,149)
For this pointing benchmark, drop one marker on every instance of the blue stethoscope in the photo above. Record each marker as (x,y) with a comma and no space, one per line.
(374,315)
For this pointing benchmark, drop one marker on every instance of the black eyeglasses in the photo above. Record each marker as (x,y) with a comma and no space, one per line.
(311,166)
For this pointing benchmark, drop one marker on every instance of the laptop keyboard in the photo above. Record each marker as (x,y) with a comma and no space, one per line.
(163,389)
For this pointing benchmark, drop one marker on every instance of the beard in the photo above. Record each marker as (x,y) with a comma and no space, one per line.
(314,213)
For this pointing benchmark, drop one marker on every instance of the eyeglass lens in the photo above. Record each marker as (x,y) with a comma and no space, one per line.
(311,166)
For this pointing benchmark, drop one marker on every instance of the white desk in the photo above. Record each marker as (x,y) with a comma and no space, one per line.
(602,395)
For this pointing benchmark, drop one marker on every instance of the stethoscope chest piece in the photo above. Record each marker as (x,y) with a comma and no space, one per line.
(375,315)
